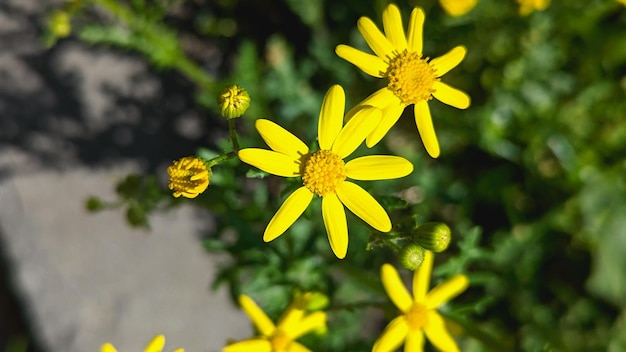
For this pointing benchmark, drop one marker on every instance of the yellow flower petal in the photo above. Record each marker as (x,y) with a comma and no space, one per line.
(416,28)
(378,167)
(280,140)
(256,345)
(380,99)
(262,322)
(446,291)
(270,161)
(290,319)
(392,24)
(311,322)
(336,226)
(107,347)
(437,333)
(421,278)
(391,114)
(451,96)
(288,213)
(458,8)
(331,116)
(156,345)
(446,62)
(179,350)
(296,347)
(424,123)
(363,205)
(374,38)
(414,341)
(395,288)
(393,335)
(355,131)
(368,63)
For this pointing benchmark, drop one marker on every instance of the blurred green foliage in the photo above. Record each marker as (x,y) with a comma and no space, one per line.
(531,179)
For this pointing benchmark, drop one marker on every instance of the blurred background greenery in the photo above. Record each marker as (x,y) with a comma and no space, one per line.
(531,178)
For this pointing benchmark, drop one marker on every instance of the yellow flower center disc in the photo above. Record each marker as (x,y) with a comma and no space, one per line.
(280,341)
(323,171)
(411,78)
(417,316)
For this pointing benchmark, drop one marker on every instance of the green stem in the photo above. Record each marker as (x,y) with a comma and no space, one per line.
(233,134)
(195,73)
(218,159)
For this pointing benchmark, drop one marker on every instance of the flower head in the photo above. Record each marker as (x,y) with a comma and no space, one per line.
(456,8)
(189,177)
(419,313)
(282,337)
(528,6)
(412,79)
(233,101)
(324,172)
(156,345)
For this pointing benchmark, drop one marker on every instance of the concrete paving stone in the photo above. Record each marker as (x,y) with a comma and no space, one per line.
(89,278)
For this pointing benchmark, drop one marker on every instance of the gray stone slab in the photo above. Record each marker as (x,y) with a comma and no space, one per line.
(89,278)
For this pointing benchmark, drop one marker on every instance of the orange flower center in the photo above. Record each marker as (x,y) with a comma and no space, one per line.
(417,316)
(323,171)
(410,77)
(280,341)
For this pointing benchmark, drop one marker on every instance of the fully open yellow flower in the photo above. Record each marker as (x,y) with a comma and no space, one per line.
(419,313)
(411,78)
(528,6)
(278,338)
(156,345)
(324,172)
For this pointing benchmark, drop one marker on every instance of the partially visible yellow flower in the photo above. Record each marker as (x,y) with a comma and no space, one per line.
(59,24)
(419,313)
(293,324)
(623,2)
(189,177)
(411,78)
(156,345)
(324,172)
(528,6)
(233,101)
(457,8)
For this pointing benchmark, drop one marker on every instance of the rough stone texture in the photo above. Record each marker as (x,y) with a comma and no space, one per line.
(74,120)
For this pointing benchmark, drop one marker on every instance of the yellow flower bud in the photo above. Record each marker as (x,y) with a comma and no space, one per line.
(189,177)
(434,236)
(233,101)
(59,24)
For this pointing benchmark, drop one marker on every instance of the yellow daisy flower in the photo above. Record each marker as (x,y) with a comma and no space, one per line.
(278,338)
(411,78)
(457,8)
(188,177)
(419,313)
(324,172)
(156,345)
(528,6)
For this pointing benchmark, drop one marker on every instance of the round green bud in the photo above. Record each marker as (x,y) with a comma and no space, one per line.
(411,256)
(434,236)
(233,101)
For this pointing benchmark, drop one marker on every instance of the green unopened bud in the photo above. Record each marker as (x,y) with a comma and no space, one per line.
(434,236)
(233,101)
(411,256)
